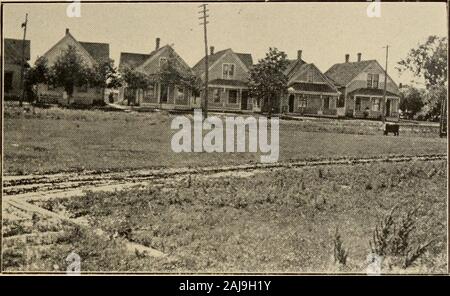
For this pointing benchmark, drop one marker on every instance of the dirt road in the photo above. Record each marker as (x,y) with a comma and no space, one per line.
(32,187)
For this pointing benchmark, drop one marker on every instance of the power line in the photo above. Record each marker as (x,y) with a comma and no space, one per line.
(22,69)
(383,111)
(204,16)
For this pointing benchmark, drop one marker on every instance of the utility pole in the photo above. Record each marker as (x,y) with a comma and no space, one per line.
(22,69)
(204,23)
(383,105)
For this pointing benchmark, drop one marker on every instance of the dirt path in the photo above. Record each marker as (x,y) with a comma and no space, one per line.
(19,192)
(32,187)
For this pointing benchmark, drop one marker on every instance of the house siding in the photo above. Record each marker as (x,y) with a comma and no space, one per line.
(366,105)
(315,101)
(16,82)
(240,74)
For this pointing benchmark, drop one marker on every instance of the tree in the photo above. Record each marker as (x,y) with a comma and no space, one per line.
(170,73)
(135,80)
(173,73)
(435,97)
(267,80)
(412,100)
(105,75)
(429,62)
(39,73)
(70,70)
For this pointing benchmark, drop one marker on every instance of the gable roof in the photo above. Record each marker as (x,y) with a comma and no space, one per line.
(313,87)
(342,73)
(98,51)
(132,60)
(327,87)
(292,65)
(159,51)
(246,59)
(372,92)
(135,60)
(13,50)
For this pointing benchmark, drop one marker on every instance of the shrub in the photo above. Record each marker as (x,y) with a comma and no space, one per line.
(340,254)
(393,236)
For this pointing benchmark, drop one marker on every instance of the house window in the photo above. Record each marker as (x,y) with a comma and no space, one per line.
(151,90)
(8,81)
(227,71)
(180,93)
(358,104)
(375,104)
(50,86)
(162,62)
(83,88)
(326,102)
(376,79)
(303,103)
(216,95)
(310,76)
(369,80)
(232,96)
(372,80)
(341,101)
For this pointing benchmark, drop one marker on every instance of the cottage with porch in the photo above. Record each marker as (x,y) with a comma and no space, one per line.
(310,92)
(228,76)
(159,94)
(361,84)
(13,83)
(91,53)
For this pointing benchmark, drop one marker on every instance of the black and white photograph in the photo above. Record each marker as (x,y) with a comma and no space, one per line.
(216,138)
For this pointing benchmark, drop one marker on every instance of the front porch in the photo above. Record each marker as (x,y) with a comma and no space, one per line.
(162,96)
(311,104)
(228,98)
(370,107)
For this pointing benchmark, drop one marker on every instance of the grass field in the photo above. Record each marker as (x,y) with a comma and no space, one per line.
(68,140)
(284,220)
(280,221)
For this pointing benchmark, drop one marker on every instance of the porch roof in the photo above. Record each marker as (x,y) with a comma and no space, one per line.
(228,82)
(371,92)
(313,87)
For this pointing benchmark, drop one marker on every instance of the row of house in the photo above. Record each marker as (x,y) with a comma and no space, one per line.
(347,89)
(13,51)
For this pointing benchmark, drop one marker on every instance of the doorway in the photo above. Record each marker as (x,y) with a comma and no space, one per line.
(8,81)
(291,103)
(388,108)
(244,100)
(163,94)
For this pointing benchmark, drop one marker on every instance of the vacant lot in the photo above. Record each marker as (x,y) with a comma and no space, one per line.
(69,140)
(279,221)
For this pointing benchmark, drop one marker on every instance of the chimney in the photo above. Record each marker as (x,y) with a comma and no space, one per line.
(359,57)
(211,50)
(157,43)
(67,31)
(299,54)
(347,57)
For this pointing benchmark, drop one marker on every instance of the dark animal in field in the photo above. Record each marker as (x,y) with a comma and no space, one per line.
(391,128)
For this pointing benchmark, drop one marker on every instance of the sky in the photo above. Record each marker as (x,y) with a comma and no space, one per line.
(324,31)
